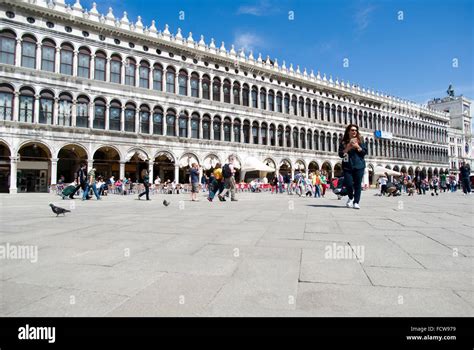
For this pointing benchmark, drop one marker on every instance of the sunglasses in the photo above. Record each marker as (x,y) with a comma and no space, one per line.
(354,130)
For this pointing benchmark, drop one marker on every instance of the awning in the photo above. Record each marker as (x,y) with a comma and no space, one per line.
(253,164)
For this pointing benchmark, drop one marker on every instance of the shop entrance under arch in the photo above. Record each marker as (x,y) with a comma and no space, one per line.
(34,168)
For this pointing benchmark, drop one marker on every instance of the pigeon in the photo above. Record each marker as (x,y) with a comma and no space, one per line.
(57,210)
(166,203)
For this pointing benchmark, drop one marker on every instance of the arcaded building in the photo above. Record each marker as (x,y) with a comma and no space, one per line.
(77,85)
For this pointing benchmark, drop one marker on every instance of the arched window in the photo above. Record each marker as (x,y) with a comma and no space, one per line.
(195,126)
(46,107)
(100,66)
(6,102)
(321,110)
(82,112)
(245,95)
(115,112)
(157,77)
(171,123)
(344,114)
(116,69)
(328,140)
(144,119)
(7,47)
(263,99)
(28,52)
(288,136)
(271,100)
(264,131)
(309,139)
(294,105)
(84,63)
(216,89)
(322,140)
(246,131)
(183,82)
(130,112)
(99,114)
(279,101)
(206,86)
(226,88)
(67,53)
(315,109)
(145,76)
(272,135)
(206,127)
(286,102)
(255,133)
(327,108)
(295,138)
(308,108)
(130,71)
(333,113)
(183,125)
(301,106)
(65,110)
(48,55)
(316,141)
(27,101)
(236,93)
(254,97)
(158,121)
(339,114)
(217,128)
(236,130)
(194,85)
(302,138)
(227,129)
(170,76)
(280,135)
(334,143)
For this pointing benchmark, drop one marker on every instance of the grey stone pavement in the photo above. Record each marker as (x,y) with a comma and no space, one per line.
(265,255)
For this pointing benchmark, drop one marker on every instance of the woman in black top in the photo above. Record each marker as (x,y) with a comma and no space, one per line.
(353,150)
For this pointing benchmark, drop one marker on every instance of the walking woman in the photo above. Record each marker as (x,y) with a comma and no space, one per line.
(146,183)
(352,150)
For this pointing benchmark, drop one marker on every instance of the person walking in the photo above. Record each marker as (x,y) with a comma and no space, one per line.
(352,150)
(465,172)
(146,183)
(91,184)
(228,172)
(81,179)
(216,184)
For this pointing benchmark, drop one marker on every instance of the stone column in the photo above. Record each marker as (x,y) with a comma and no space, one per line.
(75,65)
(200,88)
(91,115)
(137,120)
(54,171)
(188,86)
(90,164)
(74,113)
(36,109)
(122,72)
(292,172)
(16,106)
(13,174)
(221,127)
(176,126)
(107,117)
(151,123)
(107,69)
(18,53)
(200,128)
(57,60)
(150,78)
(55,110)
(150,171)
(38,55)
(176,173)
(122,119)
(188,127)
(92,67)
(122,169)
(165,123)
(211,129)
(137,74)
(176,83)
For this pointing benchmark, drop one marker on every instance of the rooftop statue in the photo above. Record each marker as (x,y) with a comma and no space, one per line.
(450,91)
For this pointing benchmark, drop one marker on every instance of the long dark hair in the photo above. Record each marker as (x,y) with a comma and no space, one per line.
(347,133)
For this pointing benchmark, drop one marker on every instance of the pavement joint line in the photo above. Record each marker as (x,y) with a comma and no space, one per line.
(361,265)
(406,252)
(466,301)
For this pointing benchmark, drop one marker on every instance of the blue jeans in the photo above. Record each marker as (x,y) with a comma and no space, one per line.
(317,191)
(86,191)
(353,183)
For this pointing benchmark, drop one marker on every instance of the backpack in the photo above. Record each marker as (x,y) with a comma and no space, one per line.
(226,172)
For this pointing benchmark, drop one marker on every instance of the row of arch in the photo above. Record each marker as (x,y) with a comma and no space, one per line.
(100,65)
(130,116)
(52,162)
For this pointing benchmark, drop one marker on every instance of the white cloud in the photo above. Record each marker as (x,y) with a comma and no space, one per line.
(262,8)
(248,41)
(362,18)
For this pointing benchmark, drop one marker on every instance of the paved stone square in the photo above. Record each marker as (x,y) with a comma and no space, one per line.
(265,255)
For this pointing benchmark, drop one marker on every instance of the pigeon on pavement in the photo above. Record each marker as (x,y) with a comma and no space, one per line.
(166,203)
(58,210)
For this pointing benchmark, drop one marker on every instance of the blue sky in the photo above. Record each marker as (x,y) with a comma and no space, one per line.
(410,58)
